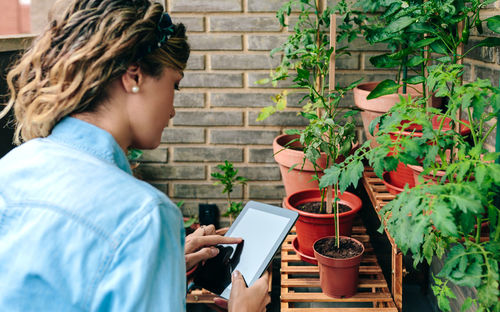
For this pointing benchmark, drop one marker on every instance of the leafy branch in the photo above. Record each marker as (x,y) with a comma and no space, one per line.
(228,179)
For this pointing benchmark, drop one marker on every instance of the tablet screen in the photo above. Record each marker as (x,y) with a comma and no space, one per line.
(263,228)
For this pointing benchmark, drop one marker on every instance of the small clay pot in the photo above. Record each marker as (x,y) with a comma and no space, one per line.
(338,277)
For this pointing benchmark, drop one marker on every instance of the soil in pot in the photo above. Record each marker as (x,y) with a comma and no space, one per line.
(338,267)
(347,249)
(315,207)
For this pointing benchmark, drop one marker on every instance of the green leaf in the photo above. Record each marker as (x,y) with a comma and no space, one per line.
(444,59)
(421,28)
(416,80)
(424,42)
(383,61)
(439,47)
(480,173)
(303,73)
(134,154)
(443,219)
(330,177)
(263,81)
(493,23)
(491,156)
(489,42)
(355,172)
(467,304)
(399,24)
(415,61)
(387,86)
(266,112)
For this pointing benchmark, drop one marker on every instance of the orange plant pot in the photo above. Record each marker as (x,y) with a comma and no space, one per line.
(313,226)
(339,277)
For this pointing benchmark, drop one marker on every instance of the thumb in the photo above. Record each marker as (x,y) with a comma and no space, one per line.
(238,281)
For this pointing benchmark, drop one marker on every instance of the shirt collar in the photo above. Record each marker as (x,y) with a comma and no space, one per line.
(90,139)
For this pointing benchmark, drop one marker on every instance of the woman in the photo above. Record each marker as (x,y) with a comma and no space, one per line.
(77,231)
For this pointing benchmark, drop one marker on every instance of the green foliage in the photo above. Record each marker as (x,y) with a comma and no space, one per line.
(228,179)
(442,218)
(414,28)
(305,56)
(134,154)
(447,216)
(190,221)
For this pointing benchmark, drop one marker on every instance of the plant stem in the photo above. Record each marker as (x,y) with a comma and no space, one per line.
(337,231)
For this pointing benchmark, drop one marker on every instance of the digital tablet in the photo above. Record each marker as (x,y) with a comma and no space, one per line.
(263,228)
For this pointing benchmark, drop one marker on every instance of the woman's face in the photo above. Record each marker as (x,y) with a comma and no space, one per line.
(153,109)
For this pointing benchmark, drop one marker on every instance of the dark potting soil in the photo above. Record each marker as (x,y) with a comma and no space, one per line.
(348,248)
(315,207)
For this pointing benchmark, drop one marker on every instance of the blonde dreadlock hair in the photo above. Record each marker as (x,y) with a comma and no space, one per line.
(69,66)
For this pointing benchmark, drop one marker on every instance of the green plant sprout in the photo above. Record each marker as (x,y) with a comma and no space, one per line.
(228,178)
(191,220)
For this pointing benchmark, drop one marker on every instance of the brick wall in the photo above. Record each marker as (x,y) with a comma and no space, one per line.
(219,101)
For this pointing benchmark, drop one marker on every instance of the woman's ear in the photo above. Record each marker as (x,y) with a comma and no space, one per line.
(132,79)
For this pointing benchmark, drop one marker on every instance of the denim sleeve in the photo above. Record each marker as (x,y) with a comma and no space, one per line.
(146,272)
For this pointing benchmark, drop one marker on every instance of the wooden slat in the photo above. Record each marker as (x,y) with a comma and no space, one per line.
(321,297)
(314,282)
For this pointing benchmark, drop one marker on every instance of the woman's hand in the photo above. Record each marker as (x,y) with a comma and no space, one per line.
(248,299)
(200,245)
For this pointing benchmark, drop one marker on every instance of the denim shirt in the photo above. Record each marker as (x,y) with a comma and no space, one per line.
(79,233)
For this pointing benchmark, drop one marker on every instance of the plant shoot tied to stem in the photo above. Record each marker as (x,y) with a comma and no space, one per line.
(228,178)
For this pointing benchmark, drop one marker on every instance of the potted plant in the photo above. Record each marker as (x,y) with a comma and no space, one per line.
(418,33)
(446,216)
(228,178)
(450,215)
(329,136)
(305,59)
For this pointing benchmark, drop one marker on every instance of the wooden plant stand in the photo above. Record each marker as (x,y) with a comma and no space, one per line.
(379,196)
(300,287)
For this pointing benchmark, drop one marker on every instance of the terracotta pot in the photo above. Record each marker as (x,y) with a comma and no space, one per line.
(312,226)
(434,176)
(300,177)
(405,174)
(376,107)
(393,189)
(339,277)
(401,176)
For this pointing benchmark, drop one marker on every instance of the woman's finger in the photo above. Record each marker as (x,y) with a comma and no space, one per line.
(195,243)
(204,230)
(203,254)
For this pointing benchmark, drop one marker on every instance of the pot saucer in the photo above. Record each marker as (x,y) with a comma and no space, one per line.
(303,257)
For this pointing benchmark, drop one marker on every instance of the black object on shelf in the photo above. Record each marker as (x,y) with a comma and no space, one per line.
(208,214)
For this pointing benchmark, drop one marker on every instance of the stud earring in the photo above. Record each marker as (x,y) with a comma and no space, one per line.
(135,89)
